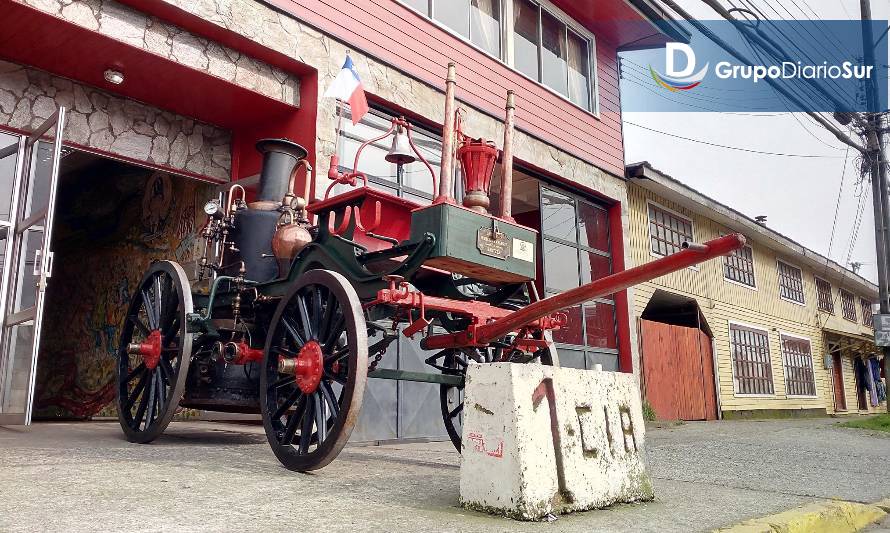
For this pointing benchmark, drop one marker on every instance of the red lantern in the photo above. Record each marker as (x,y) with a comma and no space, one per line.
(477,158)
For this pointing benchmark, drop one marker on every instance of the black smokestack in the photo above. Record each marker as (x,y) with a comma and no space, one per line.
(280,158)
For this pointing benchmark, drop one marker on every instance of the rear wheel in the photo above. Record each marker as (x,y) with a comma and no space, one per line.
(451,397)
(154,352)
(314,370)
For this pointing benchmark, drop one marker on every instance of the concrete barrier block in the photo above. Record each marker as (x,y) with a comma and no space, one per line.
(539,440)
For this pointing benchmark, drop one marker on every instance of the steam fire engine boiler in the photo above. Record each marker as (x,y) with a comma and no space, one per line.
(296,301)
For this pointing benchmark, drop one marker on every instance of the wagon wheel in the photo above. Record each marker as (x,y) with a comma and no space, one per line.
(451,397)
(314,370)
(154,352)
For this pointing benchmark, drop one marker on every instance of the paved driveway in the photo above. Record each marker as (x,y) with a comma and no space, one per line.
(222,477)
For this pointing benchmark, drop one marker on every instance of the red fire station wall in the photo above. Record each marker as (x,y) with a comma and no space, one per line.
(112,220)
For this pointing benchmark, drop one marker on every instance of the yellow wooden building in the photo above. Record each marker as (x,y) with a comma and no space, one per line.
(774,329)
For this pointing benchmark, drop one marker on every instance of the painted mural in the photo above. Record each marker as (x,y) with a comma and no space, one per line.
(112,221)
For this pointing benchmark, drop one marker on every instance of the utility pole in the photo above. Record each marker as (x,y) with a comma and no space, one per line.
(874,137)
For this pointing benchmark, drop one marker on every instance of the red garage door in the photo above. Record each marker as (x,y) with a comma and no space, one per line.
(678,372)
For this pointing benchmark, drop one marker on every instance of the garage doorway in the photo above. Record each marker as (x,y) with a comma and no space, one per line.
(109,220)
(677,359)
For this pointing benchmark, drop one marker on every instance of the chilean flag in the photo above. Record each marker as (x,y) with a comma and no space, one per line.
(348,87)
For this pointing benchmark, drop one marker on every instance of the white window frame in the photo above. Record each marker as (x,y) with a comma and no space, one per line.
(769,348)
(753,271)
(812,366)
(803,284)
(507,49)
(649,228)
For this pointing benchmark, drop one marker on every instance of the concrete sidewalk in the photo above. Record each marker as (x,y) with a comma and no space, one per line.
(203,476)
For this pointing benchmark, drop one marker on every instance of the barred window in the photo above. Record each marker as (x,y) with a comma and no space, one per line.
(849,305)
(823,291)
(752,369)
(739,266)
(866,312)
(798,360)
(667,231)
(790,282)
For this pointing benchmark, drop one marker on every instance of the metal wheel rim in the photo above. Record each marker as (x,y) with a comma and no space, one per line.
(166,382)
(289,414)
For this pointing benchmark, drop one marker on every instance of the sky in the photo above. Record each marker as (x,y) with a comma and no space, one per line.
(798,195)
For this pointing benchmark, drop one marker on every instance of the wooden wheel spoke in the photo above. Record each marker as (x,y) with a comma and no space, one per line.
(336,356)
(334,377)
(168,333)
(166,370)
(161,394)
(290,428)
(152,391)
(304,316)
(306,429)
(316,311)
(292,331)
(330,307)
(288,403)
(134,394)
(334,333)
(133,373)
(329,396)
(139,325)
(320,418)
(140,411)
(149,310)
(457,410)
(286,380)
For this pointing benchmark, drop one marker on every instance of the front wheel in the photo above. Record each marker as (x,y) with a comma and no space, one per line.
(314,371)
(155,348)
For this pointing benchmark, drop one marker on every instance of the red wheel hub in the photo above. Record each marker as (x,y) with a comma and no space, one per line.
(308,367)
(149,349)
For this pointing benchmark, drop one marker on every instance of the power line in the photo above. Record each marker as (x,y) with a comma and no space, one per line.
(749,150)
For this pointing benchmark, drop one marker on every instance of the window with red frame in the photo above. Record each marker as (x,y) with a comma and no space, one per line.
(848,303)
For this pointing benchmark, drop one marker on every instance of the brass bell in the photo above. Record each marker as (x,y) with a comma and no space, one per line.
(400,153)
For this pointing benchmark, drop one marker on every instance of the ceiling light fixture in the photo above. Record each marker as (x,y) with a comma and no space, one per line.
(114,76)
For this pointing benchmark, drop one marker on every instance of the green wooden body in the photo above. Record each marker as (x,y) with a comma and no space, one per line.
(464,244)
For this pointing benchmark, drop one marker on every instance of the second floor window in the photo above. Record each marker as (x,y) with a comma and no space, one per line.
(739,266)
(790,282)
(823,292)
(866,312)
(848,302)
(526,35)
(667,231)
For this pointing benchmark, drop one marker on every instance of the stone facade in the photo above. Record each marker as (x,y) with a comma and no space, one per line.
(127,25)
(116,125)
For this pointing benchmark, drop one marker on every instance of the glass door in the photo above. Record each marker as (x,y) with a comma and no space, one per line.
(27,261)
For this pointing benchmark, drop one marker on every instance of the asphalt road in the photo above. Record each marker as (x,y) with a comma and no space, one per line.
(220,477)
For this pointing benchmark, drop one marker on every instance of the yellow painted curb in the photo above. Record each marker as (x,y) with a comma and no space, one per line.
(831,516)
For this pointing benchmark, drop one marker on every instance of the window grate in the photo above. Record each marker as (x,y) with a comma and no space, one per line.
(739,266)
(667,231)
(751,361)
(849,305)
(823,292)
(799,379)
(866,312)
(790,282)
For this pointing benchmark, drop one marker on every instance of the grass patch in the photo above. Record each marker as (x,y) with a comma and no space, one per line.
(874,423)
(649,414)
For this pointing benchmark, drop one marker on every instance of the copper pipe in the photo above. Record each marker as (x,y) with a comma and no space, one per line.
(506,211)
(446,176)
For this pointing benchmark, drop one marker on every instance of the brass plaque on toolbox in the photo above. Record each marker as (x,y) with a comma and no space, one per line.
(493,243)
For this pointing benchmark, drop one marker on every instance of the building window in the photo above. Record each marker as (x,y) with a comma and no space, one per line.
(536,40)
(823,292)
(849,305)
(739,266)
(667,231)
(752,369)
(576,250)
(790,282)
(414,181)
(799,379)
(866,312)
